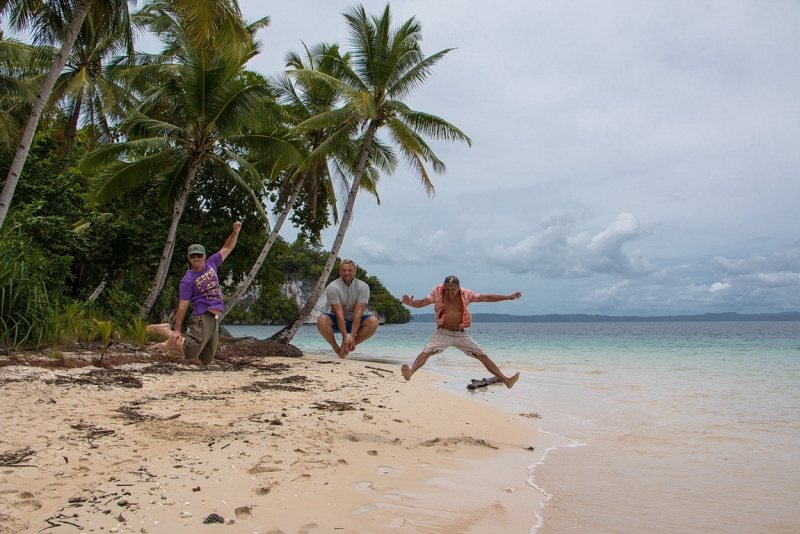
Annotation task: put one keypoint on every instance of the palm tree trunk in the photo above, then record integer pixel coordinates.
(245, 284)
(15, 170)
(69, 136)
(169, 245)
(286, 334)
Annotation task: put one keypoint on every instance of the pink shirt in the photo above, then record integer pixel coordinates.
(467, 297)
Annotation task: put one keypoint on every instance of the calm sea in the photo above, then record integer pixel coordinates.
(645, 427)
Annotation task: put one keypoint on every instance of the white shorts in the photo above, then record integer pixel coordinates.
(460, 340)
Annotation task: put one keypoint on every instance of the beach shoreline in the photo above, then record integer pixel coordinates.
(279, 445)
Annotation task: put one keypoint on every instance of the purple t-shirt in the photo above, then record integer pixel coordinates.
(202, 288)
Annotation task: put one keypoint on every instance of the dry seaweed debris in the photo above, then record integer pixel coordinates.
(98, 377)
(251, 347)
(16, 458)
(281, 384)
(333, 406)
(92, 432)
(133, 415)
(455, 441)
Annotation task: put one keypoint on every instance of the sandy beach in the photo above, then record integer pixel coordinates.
(252, 444)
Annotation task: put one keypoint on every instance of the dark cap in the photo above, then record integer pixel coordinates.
(452, 281)
(197, 249)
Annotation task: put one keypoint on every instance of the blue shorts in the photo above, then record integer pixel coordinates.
(347, 324)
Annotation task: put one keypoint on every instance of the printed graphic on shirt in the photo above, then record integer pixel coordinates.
(208, 285)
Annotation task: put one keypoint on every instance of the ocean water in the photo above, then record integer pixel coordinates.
(645, 427)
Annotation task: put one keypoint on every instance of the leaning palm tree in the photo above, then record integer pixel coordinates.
(86, 90)
(24, 14)
(314, 175)
(209, 18)
(386, 65)
(204, 111)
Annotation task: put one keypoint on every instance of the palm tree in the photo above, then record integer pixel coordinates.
(386, 65)
(16, 93)
(204, 110)
(301, 102)
(86, 88)
(27, 13)
(210, 19)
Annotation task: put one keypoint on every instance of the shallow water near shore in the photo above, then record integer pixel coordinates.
(646, 427)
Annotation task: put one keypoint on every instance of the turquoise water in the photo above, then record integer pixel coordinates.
(646, 427)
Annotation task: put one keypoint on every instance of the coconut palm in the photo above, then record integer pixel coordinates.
(209, 19)
(204, 111)
(86, 90)
(16, 93)
(314, 175)
(386, 65)
(24, 14)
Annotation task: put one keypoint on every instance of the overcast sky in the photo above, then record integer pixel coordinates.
(628, 158)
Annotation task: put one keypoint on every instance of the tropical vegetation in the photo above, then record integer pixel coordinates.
(112, 161)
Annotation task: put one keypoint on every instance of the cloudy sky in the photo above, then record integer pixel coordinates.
(628, 158)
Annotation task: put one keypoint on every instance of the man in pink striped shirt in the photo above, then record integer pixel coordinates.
(451, 306)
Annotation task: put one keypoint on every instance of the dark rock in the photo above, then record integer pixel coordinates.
(213, 518)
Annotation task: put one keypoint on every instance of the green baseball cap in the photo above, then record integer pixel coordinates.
(197, 249)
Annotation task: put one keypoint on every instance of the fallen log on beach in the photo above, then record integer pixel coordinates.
(483, 382)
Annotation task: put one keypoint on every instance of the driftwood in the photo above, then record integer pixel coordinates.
(483, 382)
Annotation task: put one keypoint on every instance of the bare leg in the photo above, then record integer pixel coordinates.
(162, 329)
(325, 327)
(492, 368)
(419, 362)
(366, 330)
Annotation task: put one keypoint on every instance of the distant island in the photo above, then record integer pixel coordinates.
(585, 318)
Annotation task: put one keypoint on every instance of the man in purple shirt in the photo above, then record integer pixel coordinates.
(200, 286)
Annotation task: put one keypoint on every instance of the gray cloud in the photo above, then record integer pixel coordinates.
(583, 114)
(555, 250)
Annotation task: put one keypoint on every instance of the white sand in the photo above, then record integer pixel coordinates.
(409, 456)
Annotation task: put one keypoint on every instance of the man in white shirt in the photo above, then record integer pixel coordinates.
(348, 297)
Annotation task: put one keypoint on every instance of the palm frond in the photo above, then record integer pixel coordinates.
(118, 179)
(122, 152)
(432, 126)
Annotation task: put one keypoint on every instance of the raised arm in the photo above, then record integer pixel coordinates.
(498, 298)
(419, 303)
(231, 241)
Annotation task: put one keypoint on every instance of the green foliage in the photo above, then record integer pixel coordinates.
(123, 305)
(70, 325)
(385, 303)
(137, 329)
(102, 330)
(272, 307)
(24, 305)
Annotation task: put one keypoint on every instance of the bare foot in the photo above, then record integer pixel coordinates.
(193, 361)
(512, 381)
(406, 370)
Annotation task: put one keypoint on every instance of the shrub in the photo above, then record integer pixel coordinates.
(24, 305)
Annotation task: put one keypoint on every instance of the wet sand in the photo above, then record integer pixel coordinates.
(282, 445)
